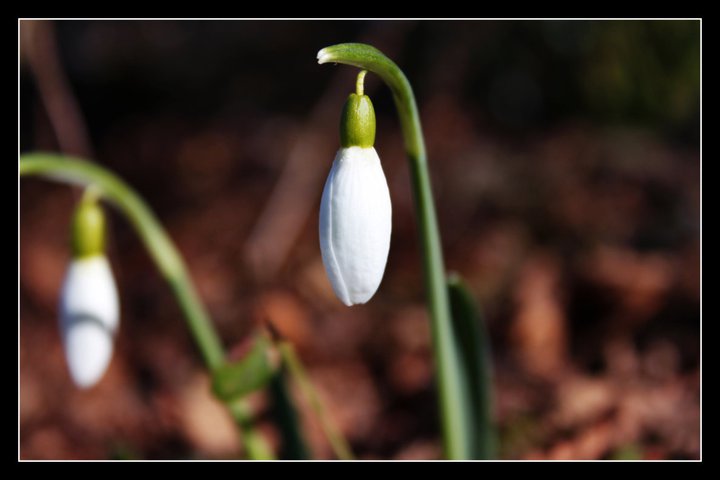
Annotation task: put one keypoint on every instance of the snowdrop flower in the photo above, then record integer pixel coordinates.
(89, 310)
(355, 211)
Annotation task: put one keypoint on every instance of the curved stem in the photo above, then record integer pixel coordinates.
(159, 245)
(456, 443)
(163, 252)
(360, 83)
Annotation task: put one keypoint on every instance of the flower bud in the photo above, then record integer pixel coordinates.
(355, 210)
(89, 307)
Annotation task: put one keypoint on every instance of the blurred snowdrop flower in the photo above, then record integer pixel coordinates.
(89, 307)
(355, 210)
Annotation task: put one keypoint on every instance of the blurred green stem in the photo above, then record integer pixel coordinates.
(163, 252)
(448, 363)
(256, 447)
(335, 437)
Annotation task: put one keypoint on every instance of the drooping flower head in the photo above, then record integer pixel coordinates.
(355, 210)
(89, 308)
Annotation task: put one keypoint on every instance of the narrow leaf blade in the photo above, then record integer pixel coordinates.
(473, 343)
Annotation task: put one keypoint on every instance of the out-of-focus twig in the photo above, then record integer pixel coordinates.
(39, 47)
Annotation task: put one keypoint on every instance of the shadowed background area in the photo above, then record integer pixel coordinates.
(565, 161)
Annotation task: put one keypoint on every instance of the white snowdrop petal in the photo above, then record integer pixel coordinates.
(355, 224)
(89, 315)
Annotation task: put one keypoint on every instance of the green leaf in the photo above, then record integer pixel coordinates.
(473, 345)
(286, 416)
(253, 372)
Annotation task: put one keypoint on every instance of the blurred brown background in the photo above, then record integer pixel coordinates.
(565, 162)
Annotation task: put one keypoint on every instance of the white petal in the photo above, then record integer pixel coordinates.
(355, 224)
(89, 315)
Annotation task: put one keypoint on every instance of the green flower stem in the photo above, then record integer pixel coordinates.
(456, 444)
(161, 249)
(360, 83)
(296, 369)
(255, 445)
(158, 243)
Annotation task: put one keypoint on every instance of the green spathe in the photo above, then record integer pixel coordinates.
(357, 123)
(88, 228)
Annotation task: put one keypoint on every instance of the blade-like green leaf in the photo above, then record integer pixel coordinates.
(286, 418)
(252, 372)
(471, 339)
